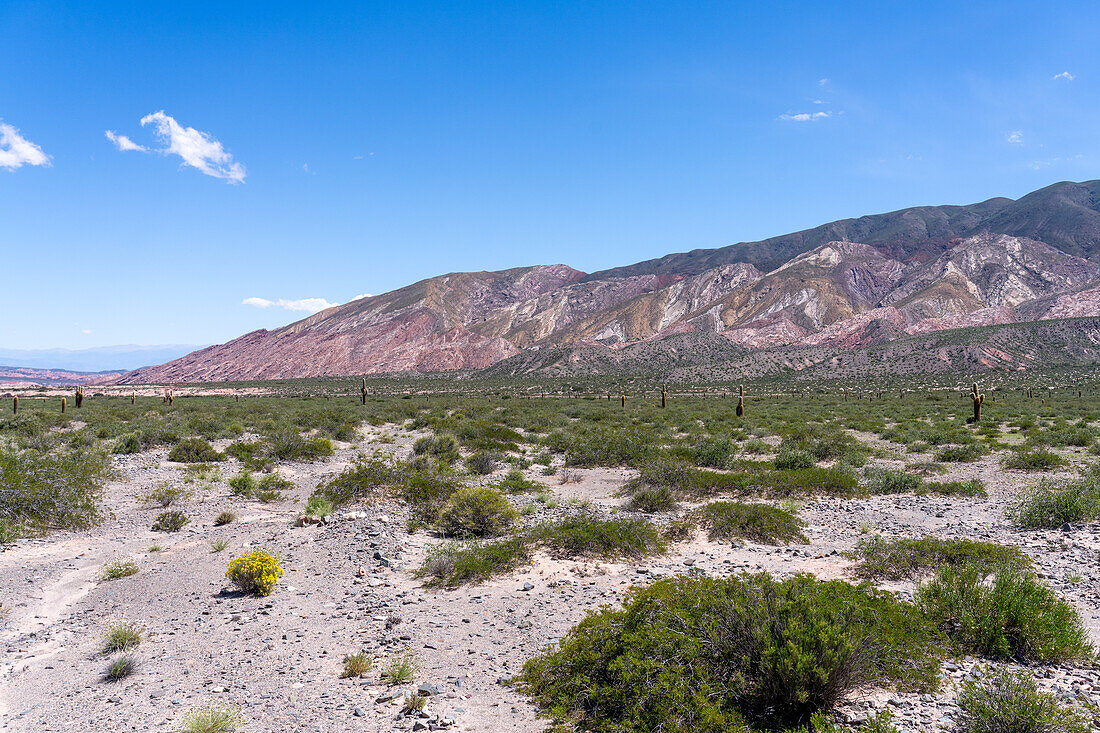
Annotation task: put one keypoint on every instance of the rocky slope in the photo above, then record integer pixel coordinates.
(848, 284)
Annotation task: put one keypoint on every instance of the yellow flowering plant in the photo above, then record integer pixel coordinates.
(255, 572)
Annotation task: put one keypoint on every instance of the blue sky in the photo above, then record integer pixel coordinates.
(326, 150)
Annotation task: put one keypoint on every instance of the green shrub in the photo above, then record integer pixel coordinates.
(476, 511)
(1033, 460)
(974, 488)
(788, 483)
(364, 479)
(170, 521)
(165, 495)
(967, 453)
(683, 480)
(1010, 702)
(291, 446)
(444, 448)
(514, 482)
(1049, 505)
(908, 558)
(243, 484)
(891, 481)
(271, 488)
(1003, 613)
(119, 567)
(481, 463)
(427, 492)
(194, 450)
(702, 654)
(121, 636)
(127, 444)
(224, 518)
(318, 506)
(650, 500)
(590, 537)
(252, 454)
(40, 492)
(792, 459)
(456, 563)
(762, 523)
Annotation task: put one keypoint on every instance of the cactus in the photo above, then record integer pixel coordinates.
(662, 398)
(62, 405)
(623, 397)
(133, 397)
(78, 397)
(740, 400)
(977, 399)
(363, 391)
(15, 405)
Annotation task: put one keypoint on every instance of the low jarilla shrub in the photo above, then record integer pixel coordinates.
(709, 654)
(476, 511)
(907, 558)
(1010, 701)
(1003, 613)
(194, 450)
(1050, 505)
(170, 521)
(256, 572)
(761, 523)
(1034, 460)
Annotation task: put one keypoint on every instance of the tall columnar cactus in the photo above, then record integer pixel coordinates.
(15, 405)
(78, 397)
(363, 391)
(133, 398)
(978, 400)
(740, 400)
(62, 405)
(662, 398)
(623, 397)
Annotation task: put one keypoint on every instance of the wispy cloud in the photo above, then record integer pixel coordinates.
(124, 143)
(1016, 137)
(196, 148)
(1065, 75)
(17, 151)
(806, 116)
(823, 82)
(361, 296)
(307, 305)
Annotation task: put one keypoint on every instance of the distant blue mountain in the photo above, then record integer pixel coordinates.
(104, 358)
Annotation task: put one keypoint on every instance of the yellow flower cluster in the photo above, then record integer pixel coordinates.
(255, 572)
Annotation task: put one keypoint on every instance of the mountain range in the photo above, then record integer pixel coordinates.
(848, 284)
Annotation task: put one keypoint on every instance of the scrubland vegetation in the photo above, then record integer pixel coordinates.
(484, 480)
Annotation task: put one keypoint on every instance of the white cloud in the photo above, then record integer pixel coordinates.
(17, 151)
(1064, 75)
(197, 149)
(822, 82)
(308, 305)
(1016, 137)
(806, 116)
(124, 143)
(86, 331)
(361, 296)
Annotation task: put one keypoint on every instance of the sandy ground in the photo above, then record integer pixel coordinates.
(349, 587)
